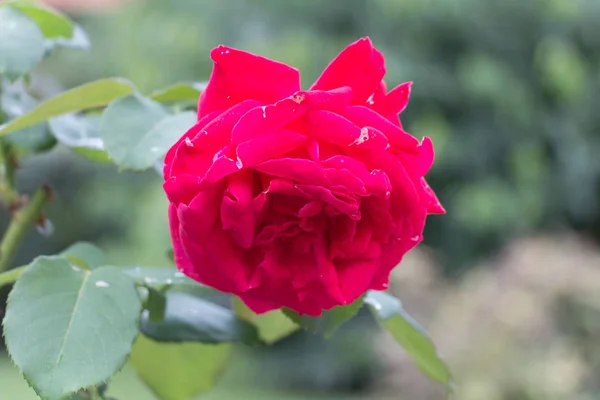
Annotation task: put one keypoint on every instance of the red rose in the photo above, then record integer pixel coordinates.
(298, 199)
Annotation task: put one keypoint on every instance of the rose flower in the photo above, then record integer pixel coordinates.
(297, 199)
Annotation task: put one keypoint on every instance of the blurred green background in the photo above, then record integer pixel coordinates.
(508, 282)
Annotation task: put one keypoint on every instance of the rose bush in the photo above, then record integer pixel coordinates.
(297, 199)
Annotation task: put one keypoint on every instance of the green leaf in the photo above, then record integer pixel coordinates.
(272, 326)
(158, 277)
(51, 23)
(192, 318)
(409, 334)
(67, 328)
(179, 92)
(138, 131)
(81, 133)
(91, 95)
(329, 321)
(21, 43)
(87, 252)
(16, 101)
(79, 40)
(179, 371)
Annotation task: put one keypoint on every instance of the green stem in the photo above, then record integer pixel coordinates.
(94, 394)
(21, 222)
(8, 189)
(8, 277)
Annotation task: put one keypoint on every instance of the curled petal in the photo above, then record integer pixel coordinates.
(267, 119)
(359, 66)
(363, 116)
(332, 100)
(418, 163)
(194, 155)
(182, 188)
(238, 75)
(193, 131)
(268, 147)
(394, 102)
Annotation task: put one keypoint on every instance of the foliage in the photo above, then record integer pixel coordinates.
(72, 320)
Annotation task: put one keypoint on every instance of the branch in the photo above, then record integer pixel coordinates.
(8, 189)
(8, 277)
(21, 222)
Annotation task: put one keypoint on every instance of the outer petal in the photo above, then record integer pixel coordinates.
(238, 75)
(193, 131)
(359, 66)
(394, 102)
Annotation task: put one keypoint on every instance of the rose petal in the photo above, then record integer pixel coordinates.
(267, 119)
(359, 66)
(326, 126)
(202, 269)
(395, 101)
(355, 276)
(195, 155)
(363, 116)
(182, 188)
(193, 131)
(199, 218)
(418, 164)
(331, 100)
(268, 147)
(295, 169)
(237, 210)
(238, 75)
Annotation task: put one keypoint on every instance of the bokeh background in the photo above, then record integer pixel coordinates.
(507, 283)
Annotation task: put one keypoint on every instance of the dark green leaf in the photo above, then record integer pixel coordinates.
(179, 92)
(138, 131)
(91, 95)
(67, 328)
(191, 318)
(21, 43)
(192, 367)
(87, 252)
(51, 23)
(272, 326)
(409, 334)
(329, 321)
(156, 304)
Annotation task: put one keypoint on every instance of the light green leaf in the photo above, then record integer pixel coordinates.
(82, 134)
(179, 92)
(67, 328)
(178, 371)
(79, 40)
(94, 94)
(410, 335)
(138, 131)
(196, 318)
(272, 326)
(16, 101)
(87, 252)
(52, 23)
(329, 321)
(21, 43)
